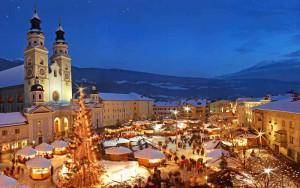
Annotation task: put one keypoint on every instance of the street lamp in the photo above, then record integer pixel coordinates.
(260, 135)
(175, 112)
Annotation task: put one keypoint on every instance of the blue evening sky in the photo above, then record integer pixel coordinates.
(199, 38)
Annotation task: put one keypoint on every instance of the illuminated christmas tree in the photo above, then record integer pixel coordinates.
(83, 169)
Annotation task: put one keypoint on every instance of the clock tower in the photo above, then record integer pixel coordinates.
(61, 63)
(35, 60)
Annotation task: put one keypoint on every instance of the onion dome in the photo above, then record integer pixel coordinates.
(37, 87)
(94, 90)
(35, 22)
(60, 38)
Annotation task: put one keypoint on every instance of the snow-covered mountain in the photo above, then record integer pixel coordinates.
(284, 70)
(163, 87)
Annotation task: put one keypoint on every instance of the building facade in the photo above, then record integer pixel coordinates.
(280, 122)
(244, 107)
(120, 108)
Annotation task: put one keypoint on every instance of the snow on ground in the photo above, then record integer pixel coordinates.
(118, 172)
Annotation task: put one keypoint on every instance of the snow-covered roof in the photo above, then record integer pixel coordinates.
(169, 103)
(115, 142)
(44, 147)
(211, 144)
(217, 153)
(12, 77)
(59, 144)
(38, 162)
(27, 152)
(7, 182)
(194, 102)
(12, 118)
(117, 150)
(123, 97)
(149, 154)
(285, 105)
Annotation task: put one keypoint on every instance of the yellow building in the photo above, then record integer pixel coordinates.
(244, 109)
(280, 120)
(120, 108)
(13, 131)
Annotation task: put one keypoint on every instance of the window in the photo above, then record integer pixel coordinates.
(40, 96)
(291, 125)
(283, 123)
(55, 73)
(4, 132)
(33, 97)
(42, 62)
(17, 131)
(291, 140)
(41, 43)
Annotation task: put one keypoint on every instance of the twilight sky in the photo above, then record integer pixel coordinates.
(199, 38)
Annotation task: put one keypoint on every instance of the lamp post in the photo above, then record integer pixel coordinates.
(175, 112)
(260, 135)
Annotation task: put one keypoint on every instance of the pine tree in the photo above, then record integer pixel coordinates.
(84, 169)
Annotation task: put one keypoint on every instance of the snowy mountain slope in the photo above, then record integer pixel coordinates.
(284, 70)
(162, 87)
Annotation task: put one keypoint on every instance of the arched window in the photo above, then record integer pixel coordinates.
(40, 96)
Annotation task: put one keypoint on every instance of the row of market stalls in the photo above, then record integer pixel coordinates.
(122, 149)
(37, 160)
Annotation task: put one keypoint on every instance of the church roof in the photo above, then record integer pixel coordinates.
(12, 118)
(12, 77)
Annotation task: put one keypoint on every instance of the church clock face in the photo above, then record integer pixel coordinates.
(42, 72)
(29, 72)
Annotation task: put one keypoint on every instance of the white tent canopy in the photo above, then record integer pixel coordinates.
(217, 153)
(137, 138)
(44, 147)
(38, 162)
(59, 144)
(115, 142)
(27, 152)
(7, 182)
(117, 150)
(149, 154)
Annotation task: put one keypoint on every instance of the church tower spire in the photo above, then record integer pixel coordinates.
(35, 60)
(61, 67)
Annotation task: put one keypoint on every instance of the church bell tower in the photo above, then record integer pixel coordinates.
(62, 59)
(35, 60)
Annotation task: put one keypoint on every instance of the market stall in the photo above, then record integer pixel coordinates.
(60, 147)
(149, 157)
(39, 168)
(25, 154)
(116, 142)
(7, 182)
(118, 153)
(45, 150)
